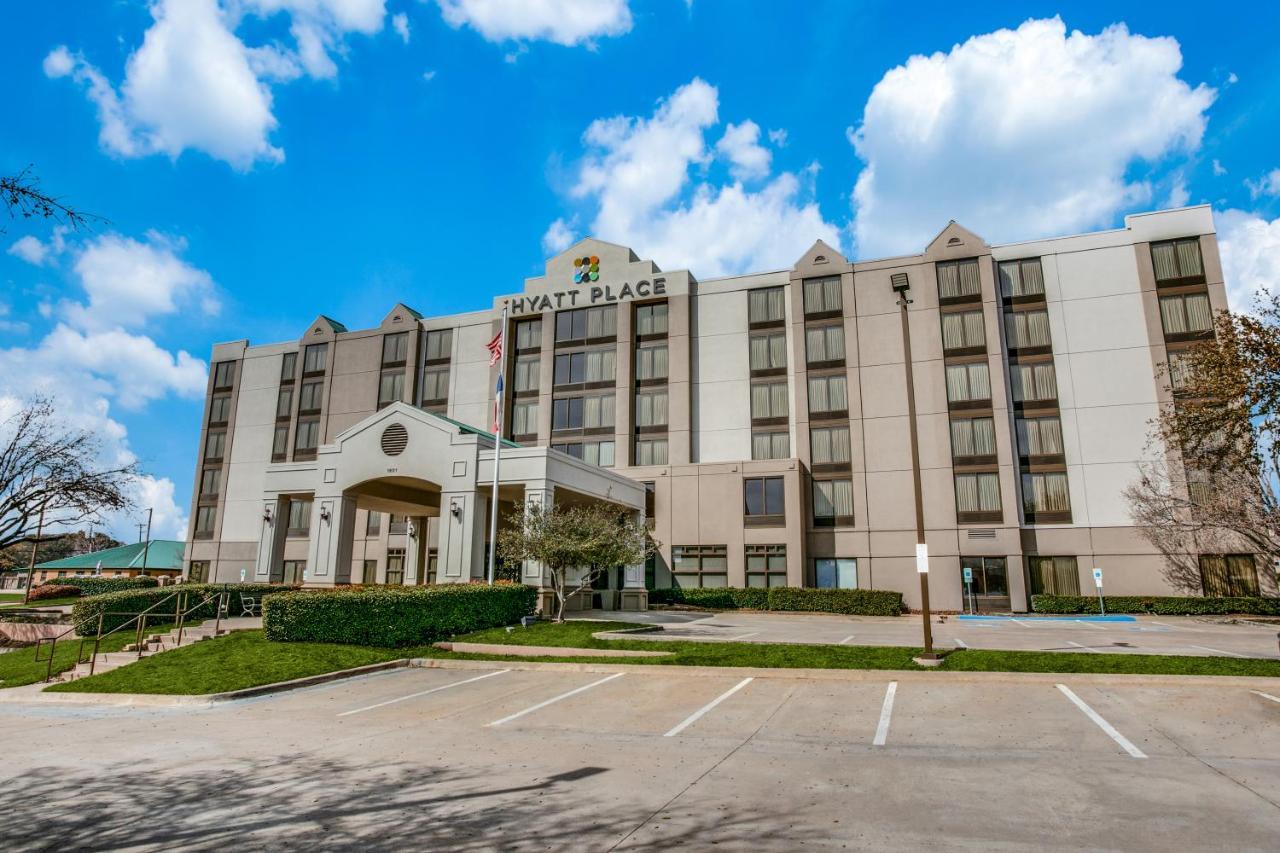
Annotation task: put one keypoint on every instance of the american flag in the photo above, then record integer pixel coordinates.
(495, 349)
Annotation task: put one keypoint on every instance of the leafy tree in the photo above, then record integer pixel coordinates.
(1211, 486)
(575, 544)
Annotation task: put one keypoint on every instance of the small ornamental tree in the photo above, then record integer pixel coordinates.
(583, 541)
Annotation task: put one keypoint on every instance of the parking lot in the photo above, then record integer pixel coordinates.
(1159, 635)
(481, 756)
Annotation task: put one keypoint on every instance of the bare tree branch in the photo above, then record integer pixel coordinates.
(23, 199)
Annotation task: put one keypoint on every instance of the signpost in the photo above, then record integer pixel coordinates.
(1097, 581)
(968, 585)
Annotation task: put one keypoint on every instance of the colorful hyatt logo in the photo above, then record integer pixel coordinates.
(586, 269)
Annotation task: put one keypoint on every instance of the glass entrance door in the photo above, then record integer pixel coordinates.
(990, 585)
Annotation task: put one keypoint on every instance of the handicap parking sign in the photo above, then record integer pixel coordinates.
(968, 574)
(1097, 577)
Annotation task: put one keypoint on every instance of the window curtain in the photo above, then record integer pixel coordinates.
(813, 296)
(970, 283)
(1046, 492)
(825, 343)
(832, 498)
(1199, 315)
(1164, 257)
(766, 304)
(948, 280)
(601, 365)
(1189, 258)
(953, 331)
(1028, 328)
(989, 492)
(829, 445)
(962, 438)
(1032, 278)
(966, 493)
(527, 374)
(828, 394)
(778, 350)
(759, 352)
(957, 383)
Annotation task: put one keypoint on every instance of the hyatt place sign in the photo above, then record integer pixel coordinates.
(594, 295)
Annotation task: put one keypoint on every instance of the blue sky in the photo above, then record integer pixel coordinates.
(262, 161)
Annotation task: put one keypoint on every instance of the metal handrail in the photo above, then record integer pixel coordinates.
(224, 603)
(139, 618)
(53, 648)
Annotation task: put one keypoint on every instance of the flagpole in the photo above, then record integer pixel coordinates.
(499, 394)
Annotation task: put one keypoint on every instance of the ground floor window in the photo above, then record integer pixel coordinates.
(1054, 575)
(766, 565)
(395, 566)
(835, 573)
(370, 575)
(990, 575)
(700, 565)
(1228, 575)
(295, 571)
(198, 573)
(433, 562)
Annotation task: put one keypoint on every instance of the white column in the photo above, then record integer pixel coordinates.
(415, 547)
(634, 595)
(457, 536)
(332, 533)
(271, 541)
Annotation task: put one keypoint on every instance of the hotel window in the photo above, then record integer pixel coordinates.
(973, 438)
(373, 523)
(593, 412)
(1021, 278)
(1228, 575)
(395, 566)
(598, 453)
(288, 366)
(528, 335)
(284, 403)
(968, 383)
(770, 445)
(650, 500)
(435, 385)
(828, 395)
(651, 319)
(1054, 575)
(311, 397)
(586, 367)
(651, 451)
(210, 481)
(197, 573)
(835, 573)
(280, 444)
(1027, 329)
(206, 518)
(299, 517)
(224, 375)
(1179, 368)
(215, 445)
(1199, 486)
(528, 373)
(398, 524)
(959, 279)
(1045, 494)
(314, 358)
(1034, 383)
(832, 503)
(1039, 437)
(822, 296)
(390, 388)
(651, 408)
(395, 349)
(767, 305)
(308, 436)
(769, 401)
(704, 566)
(439, 345)
(829, 445)
(370, 573)
(1178, 261)
(766, 565)
(524, 419)
(220, 409)
(964, 330)
(764, 501)
(651, 362)
(1186, 315)
(824, 344)
(768, 352)
(978, 494)
(582, 324)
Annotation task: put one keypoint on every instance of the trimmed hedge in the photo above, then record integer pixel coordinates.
(53, 590)
(394, 616)
(84, 613)
(101, 586)
(859, 602)
(1160, 605)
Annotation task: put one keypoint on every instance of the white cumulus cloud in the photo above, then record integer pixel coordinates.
(558, 237)
(1250, 249)
(400, 23)
(30, 249)
(636, 180)
(564, 22)
(1267, 185)
(127, 282)
(1020, 133)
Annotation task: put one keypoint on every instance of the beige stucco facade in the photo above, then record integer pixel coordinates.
(648, 377)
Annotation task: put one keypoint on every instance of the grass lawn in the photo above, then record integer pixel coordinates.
(19, 666)
(48, 602)
(10, 597)
(240, 659)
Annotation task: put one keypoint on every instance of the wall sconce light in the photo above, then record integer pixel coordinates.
(413, 530)
(266, 514)
(455, 510)
(324, 513)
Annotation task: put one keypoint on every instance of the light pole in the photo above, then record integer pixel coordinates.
(901, 285)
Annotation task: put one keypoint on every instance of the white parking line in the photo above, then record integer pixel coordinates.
(518, 714)
(846, 640)
(1220, 652)
(1090, 625)
(1019, 622)
(1083, 646)
(424, 692)
(744, 636)
(961, 643)
(1266, 695)
(697, 715)
(886, 713)
(1176, 627)
(1101, 723)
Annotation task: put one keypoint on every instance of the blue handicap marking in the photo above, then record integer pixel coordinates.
(997, 619)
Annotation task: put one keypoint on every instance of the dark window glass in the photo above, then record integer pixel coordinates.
(224, 374)
(373, 524)
(764, 496)
(308, 436)
(284, 403)
(280, 443)
(311, 396)
(206, 517)
(395, 348)
(314, 358)
(439, 344)
(288, 366)
(220, 409)
(210, 480)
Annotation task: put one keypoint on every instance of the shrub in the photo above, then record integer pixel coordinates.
(1159, 605)
(394, 616)
(864, 602)
(53, 590)
(123, 605)
(100, 585)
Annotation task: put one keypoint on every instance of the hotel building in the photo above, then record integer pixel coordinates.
(808, 426)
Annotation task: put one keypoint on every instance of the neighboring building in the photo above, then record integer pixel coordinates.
(160, 558)
(765, 416)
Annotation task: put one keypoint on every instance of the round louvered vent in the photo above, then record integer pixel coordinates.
(394, 439)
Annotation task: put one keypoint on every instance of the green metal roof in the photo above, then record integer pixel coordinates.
(333, 324)
(470, 430)
(163, 554)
